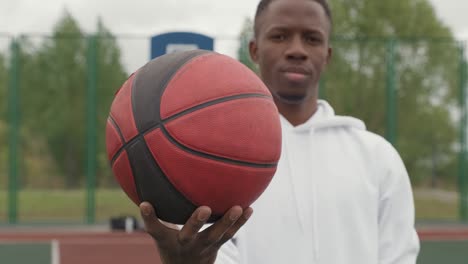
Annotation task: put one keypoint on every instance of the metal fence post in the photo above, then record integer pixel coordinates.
(391, 91)
(13, 113)
(91, 130)
(462, 170)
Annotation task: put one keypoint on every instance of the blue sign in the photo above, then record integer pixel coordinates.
(179, 41)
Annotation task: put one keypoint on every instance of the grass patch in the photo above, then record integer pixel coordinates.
(436, 204)
(55, 206)
(67, 205)
(434, 209)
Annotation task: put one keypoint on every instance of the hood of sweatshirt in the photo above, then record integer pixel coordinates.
(324, 118)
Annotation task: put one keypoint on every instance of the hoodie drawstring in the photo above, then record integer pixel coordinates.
(314, 199)
(290, 178)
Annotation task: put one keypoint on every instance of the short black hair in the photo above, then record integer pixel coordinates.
(263, 4)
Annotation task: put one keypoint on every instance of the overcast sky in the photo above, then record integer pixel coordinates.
(221, 19)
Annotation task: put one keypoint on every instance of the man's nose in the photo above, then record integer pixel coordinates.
(296, 49)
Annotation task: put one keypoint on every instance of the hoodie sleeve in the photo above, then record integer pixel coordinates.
(398, 240)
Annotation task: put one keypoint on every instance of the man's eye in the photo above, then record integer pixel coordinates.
(278, 37)
(313, 39)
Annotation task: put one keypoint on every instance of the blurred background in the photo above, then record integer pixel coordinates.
(400, 65)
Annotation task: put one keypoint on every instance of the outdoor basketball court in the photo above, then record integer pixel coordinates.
(438, 246)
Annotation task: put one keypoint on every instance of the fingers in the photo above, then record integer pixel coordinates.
(152, 224)
(235, 227)
(194, 224)
(215, 233)
(212, 237)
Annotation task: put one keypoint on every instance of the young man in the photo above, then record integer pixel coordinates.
(341, 194)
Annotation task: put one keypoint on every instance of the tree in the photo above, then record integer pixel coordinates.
(61, 97)
(3, 88)
(3, 117)
(111, 75)
(245, 36)
(54, 81)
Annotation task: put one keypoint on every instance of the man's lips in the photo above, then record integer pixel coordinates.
(296, 69)
(295, 73)
(295, 77)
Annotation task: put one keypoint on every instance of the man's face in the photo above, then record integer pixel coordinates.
(292, 49)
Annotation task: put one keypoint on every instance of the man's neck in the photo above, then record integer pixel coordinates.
(297, 114)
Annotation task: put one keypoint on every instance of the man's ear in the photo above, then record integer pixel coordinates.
(329, 55)
(253, 50)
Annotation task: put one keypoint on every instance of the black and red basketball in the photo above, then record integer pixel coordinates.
(193, 128)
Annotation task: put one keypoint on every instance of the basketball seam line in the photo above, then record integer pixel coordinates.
(114, 124)
(171, 185)
(212, 157)
(210, 103)
(213, 102)
(165, 80)
(132, 168)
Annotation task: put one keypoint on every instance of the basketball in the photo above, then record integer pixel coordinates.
(193, 128)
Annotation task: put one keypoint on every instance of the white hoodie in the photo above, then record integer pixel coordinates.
(341, 195)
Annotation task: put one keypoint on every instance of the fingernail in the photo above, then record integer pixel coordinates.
(145, 210)
(203, 216)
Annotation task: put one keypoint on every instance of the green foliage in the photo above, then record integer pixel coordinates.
(53, 100)
(426, 75)
(3, 88)
(111, 75)
(3, 121)
(53, 90)
(3, 155)
(245, 37)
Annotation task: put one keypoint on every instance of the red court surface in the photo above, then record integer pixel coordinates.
(89, 247)
(441, 233)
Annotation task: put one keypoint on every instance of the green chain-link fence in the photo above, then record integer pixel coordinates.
(55, 93)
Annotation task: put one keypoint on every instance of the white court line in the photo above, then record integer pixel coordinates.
(55, 252)
(110, 242)
(24, 241)
(81, 241)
